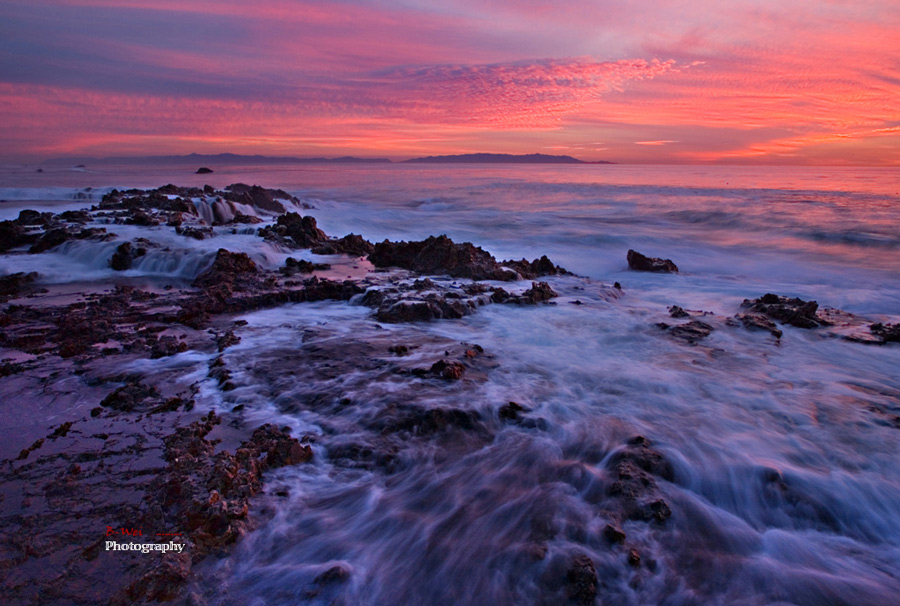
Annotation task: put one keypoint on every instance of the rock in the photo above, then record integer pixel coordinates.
(124, 256)
(634, 558)
(255, 195)
(225, 269)
(129, 397)
(203, 171)
(30, 218)
(351, 244)
(691, 332)
(888, 332)
(635, 469)
(510, 411)
(55, 237)
(292, 265)
(167, 346)
(540, 292)
(139, 217)
(535, 269)
(450, 371)
(241, 218)
(302, 230)
(422, 421)
(753, 320)
(639, 262)
(677, 312)
(613, 534)
(438, 256)
(197, 233)
(12, 284)
(793, 311)
(581, 581)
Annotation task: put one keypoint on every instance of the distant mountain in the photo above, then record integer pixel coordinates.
(503, 159)
(200, 159)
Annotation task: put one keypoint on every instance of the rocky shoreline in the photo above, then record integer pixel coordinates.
(133, 450)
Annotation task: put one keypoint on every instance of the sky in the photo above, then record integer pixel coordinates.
(654, 81)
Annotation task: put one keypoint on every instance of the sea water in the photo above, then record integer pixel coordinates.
(786, 486)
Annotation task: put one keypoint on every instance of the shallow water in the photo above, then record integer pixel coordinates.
(785, 487)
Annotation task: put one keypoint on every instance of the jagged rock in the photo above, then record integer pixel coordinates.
(423, 421)
(12, 284)
(302, 230)
(888, 332)
(690, 332)
(639, 262)
(440, 255)
(241, 218)
(581, 580)
(125, 255)
(292, 265)
(129, 397)
(540, 292)
(351, 244)
(167, 346)
(76, 216)
(635, 469)
(677, 312)
(530, 270)
(55, 237)
(510, 411)
(30, 218)
(255, 195)
(197, 233)
(755, 320)
(613, 534)
(139, 217)
(795, 312)
(225, 269)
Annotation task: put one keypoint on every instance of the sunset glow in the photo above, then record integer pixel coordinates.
(672, 82)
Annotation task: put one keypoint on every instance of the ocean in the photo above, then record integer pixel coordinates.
(783, 486)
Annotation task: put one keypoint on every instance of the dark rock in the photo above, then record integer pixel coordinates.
(292, 265)
(302, 230)
(12, 284)
(540, 292)
(240, 218)
(76, 216)
(450, 371)
(129, 397)
(510, 411)
(677, 312)
(793, 311)
(887, 332)
(203, 171)
(351, 244)
(167, 346)
(581, 581)
(139, 217)
(55, 237)
(421, 421)
(440, 255)
(122, 258)
(197, 233)
(634, 558)
(30, 218)
(225, 269)
(613, 534)
(639, 262)
(755, 320)
(535, 269)
(691, 332)
(255, 195)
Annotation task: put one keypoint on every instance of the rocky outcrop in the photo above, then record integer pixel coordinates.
(440, 256)
(125, 255)
(635, 469)
(793, 311)
(13, 284)
(254, 195)
(55, 237)
(690, 332)
(889, 333)
(226, 268)
(529, 270)
(757, 321)
(639, 262)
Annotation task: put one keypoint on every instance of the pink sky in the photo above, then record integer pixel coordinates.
(766, 81)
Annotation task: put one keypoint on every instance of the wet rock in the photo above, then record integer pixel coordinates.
(540, 292)
(757, 321)
(55, 237)
(301, 229)
(226, 268)
(260, 197)
(634, 558)
(635, 469)
(529, 270)
(450, 371)
(793, 311)
(510, 411)
(691, 332)
(197, 233)
(242, 219)
(125, 255)
(421, 421)
(292, 265)
(12, 284)
(167, 346)
(139, 217)
(129, 397)
(351, 244)
(227, 340)
(581, 581)
(422, 310)
(677, 312)
(440, 255)
(889, 333)
(639, 262)
(76, 216)
(31, 218)
(613, 534)
(203, 171)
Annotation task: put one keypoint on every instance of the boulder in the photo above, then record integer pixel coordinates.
(440, 255)
(639, 262)
(793, 311)
(225, 269)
